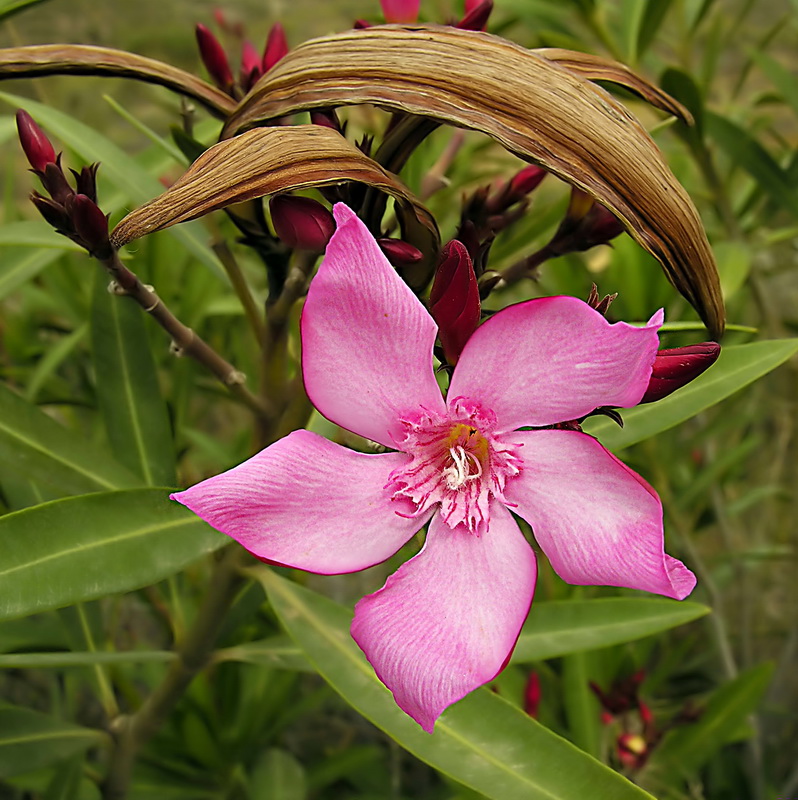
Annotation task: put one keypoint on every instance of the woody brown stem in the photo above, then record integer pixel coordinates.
(185, 340)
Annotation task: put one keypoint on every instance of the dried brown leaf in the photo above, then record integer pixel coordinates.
(267, 161)
(535, 108)
(76, 59)
(596, 68)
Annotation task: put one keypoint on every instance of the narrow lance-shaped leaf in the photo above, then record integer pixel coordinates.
(134, 411)
(558, 628)
(483, 741)
(77, 59)
(541, 111)
(30, 740)
(81, 548)
(271, 160)
(35, 446)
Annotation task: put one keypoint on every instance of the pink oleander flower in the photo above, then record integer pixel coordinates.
(447, 621)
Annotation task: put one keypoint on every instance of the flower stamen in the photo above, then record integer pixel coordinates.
(459, 471)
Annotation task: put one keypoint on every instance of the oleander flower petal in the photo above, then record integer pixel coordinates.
(447, 621)
(597, 521)
(308, 503)
(366, 338)
(554, 359)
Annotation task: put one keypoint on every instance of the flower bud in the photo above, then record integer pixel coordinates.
(526, 181)
(214, 58)
(532, 695)
(400, 253)
(250, 65)
(454, 299)
(54, 213)
(38, 149)
(301, 222)
(400, 10)
(476, 16)
(676, 367)
(362, 24)
(86, 181)
(276, 47)
(91, 225)
(599, 226)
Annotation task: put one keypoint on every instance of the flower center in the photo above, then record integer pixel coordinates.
(457, 463)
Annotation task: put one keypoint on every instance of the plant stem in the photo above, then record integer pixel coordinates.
(193, 654)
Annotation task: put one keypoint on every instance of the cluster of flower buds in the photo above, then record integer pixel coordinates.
(454, 300)
(638, 734)
(475, 16)
(490, 210)
(585, 225)
(253, 64)
(72, 212)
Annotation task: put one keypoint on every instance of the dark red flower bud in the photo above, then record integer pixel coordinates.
(301, 222)
(476, 17)
(55, 182)
(400, 10)
(36, 145)
(677, 366)
(532, 695)
(454, 299)
(276, 47)
(86, 181)
(400, 253)
(250, 65)
(362, 24)
(91, 225)
(214, 58)
(527, 180)
(53, 213)
(599, 226)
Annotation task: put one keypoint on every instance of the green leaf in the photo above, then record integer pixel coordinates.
(735, 260)
(650, 22)
(81, 548)
(117, 166)
(686, 749)
(29, 740)
(277, 652)
(560, 627)
(84, 658)
(682, 86)
(52, 359)
(10, 7)
(135, 414)
(35, 233)
(483, 741)
(19, 265)
(278, 776)
(744, 150)
(737, 366)
(34, 445)
(782, 78)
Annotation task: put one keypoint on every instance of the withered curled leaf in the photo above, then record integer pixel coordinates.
(596, 68)
(267, 161)
(543, 112)
(76, 59)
